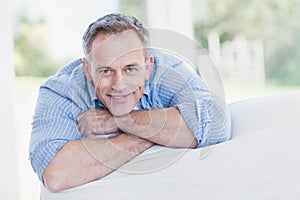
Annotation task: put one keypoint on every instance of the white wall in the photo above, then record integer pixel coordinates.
(8, 166)
(175, 15)
(67, 24)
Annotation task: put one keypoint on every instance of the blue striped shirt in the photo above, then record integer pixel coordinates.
(67, 94)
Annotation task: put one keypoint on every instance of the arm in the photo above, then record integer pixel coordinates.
(82, 161)
(163, 126)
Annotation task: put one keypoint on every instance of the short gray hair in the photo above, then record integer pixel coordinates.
(113, 24)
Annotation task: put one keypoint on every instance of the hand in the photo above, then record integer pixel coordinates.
(96, 121)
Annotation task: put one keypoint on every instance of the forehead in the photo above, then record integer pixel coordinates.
(109, 48)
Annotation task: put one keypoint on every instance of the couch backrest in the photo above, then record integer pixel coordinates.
(266, 114)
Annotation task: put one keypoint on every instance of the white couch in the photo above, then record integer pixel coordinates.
(261, 161)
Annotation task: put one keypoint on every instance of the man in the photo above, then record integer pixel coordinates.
(101, 111)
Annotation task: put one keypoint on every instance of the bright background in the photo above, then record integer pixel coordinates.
(254, 45)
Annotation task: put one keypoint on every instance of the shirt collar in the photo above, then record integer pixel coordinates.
(146, 88)
(91, 91)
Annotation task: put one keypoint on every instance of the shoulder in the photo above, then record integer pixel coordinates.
(67, 88)
(164, 58)
(66, 77)
(69, 68)
(171, 75)
(172, 69)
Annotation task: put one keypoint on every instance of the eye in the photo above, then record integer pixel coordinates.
(131, 69)
(105, 71)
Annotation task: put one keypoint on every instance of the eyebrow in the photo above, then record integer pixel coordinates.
(129, 64)
(99, 68)
(102, 67)
(133, 64)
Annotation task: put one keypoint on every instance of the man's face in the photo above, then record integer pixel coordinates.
(118, 68)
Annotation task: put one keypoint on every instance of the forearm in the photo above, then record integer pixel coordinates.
(82, 161)
(164, 126)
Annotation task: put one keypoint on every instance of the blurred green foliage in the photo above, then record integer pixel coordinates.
(275, 22)
(136, 8)
(31, 56)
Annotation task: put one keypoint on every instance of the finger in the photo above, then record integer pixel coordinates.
(80, 117)
(88, 135)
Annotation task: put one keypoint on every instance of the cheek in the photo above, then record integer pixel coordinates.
(138, 80)
(101, 85)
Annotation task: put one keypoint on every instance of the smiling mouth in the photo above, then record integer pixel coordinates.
(121, 98)
(118, 97)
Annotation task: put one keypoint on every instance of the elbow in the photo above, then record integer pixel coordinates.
(194, 144)
(191, 143)
(54, 181)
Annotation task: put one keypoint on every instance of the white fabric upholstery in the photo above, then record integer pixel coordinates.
(261, 161)
(266, 114)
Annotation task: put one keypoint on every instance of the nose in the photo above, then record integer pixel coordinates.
(118, 82)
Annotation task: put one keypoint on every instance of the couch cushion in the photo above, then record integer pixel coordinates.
(266, 114)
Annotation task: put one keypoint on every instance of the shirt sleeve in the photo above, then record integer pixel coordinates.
(205, 113)
(52, 127)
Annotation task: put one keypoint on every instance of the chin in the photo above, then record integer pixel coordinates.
(120, 112)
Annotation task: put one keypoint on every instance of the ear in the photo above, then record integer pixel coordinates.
(149, 65)
(87, 69)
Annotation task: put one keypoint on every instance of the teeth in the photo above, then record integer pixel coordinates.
(119, 97)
